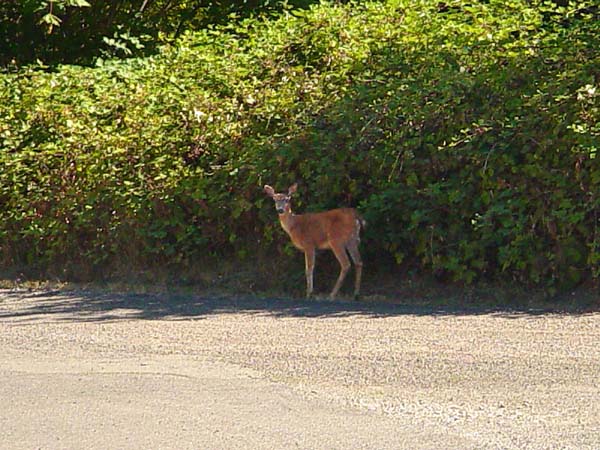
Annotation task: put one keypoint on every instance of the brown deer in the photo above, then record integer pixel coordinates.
(336, 229)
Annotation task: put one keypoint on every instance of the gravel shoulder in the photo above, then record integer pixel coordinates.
(82, 369)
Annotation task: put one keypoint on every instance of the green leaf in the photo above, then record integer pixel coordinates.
(78, 3)
(50, 19)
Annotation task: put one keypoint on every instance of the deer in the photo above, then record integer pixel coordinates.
(337, 230)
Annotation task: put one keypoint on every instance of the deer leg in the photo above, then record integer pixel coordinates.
(342, 257)
(309, 258)
(358, 265)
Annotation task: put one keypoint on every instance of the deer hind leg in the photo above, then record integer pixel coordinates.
(340, 253)
(309, 258)
(358, 265)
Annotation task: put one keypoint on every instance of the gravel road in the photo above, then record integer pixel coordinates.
(86, 370)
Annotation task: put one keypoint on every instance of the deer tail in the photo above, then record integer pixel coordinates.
(361, 221)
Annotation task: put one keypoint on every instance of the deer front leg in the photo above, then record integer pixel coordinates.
(309, 258)
(342, 257)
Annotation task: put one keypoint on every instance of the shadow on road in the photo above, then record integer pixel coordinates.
(91, 306)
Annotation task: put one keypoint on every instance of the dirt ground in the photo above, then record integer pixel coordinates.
(87, 370)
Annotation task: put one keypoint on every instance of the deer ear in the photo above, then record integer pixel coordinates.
(292, 189)
(269, 190)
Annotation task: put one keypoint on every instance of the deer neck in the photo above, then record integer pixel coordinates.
(287, 220)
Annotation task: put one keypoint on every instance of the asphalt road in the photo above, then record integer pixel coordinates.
(87, 370)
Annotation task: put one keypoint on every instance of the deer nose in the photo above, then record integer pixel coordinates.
(280, 210)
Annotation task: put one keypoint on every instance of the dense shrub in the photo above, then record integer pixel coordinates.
(81, 31)
(465, 132)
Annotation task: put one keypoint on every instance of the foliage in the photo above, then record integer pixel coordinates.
(81, 31)
(466, 132)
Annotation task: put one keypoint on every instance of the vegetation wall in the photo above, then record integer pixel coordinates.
(465, 132)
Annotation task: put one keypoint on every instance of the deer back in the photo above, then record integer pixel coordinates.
(324, 229)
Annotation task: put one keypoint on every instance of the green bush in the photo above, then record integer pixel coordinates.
(465, 132)
(81, 31)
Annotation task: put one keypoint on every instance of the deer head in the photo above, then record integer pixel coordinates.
(282, 201)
